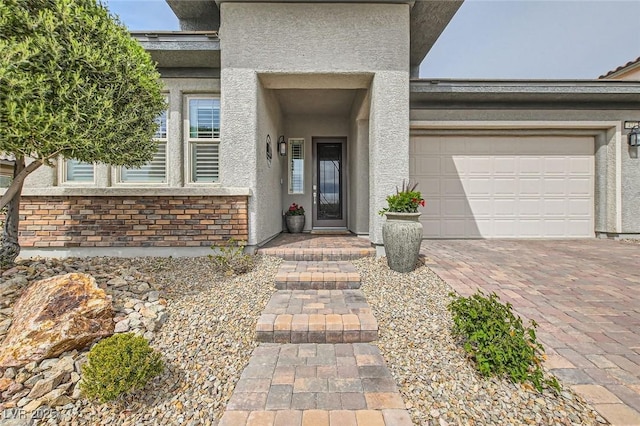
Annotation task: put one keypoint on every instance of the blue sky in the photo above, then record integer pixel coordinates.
(488, 39)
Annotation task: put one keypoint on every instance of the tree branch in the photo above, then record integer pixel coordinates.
(16, 185)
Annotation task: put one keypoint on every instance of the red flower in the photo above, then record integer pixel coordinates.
(422, 203)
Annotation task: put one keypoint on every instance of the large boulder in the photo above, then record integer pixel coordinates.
(56, 315)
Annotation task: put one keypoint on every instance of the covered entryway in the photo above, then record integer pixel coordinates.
(505, 185)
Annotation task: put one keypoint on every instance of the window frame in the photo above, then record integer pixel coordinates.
(290, 159)
(190, 142)
(119, 181)
(62, 174)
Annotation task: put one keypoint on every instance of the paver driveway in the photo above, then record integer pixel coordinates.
(585, 296)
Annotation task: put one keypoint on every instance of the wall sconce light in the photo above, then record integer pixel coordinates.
(282, 146)
(634, 136)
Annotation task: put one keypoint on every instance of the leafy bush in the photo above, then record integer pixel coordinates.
(405, 200)
(497, 341)
(117, 365)
(232, 259)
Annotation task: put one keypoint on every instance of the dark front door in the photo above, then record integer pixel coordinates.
(329, 183)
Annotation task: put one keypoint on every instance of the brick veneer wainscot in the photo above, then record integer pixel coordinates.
(125, 221)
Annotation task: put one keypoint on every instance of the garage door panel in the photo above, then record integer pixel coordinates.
(430, 188)
(480, 207)
(504, 228)
(554, 207)
(507, 207)
(452, 187)
(530, 186)
(478, 187)
(452, 166)
(530, 166)
(505, 165)
(581, 166)
(579, 208)
(530, 228)
(554, 186)
(454, 228)
(505, 186)
(452, 146)
(555, 166)
(426, 166)
(578, 228)
(454, 207)
(530, 207)
(580, 186)
(480, 166)
(554, 228)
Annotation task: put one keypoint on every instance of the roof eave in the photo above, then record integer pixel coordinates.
(555, 94)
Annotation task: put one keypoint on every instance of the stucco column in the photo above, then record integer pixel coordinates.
(388, 142)
(238, 130)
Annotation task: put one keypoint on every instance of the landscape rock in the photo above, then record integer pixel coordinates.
(13, 284)
(5, 383)
(46, 385)
(55, 315)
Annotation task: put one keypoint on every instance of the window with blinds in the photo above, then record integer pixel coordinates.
(156, 170)
(204, 139)
(152, 172)
(296, 166)
(79, 172)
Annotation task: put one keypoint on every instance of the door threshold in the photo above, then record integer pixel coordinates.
(330, 231)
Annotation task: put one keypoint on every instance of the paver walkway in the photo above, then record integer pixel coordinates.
(585, 296)
(315, 368)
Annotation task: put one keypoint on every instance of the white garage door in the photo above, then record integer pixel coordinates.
(505, 186)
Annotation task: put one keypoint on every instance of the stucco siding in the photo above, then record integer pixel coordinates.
(388, 143)
(266, 203)
(315, 37)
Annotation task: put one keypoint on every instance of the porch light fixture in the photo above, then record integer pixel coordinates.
(634, 136)
(282, 146)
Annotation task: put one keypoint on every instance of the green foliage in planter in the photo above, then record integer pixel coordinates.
(117, 365)
(232, 260)
(495, 338)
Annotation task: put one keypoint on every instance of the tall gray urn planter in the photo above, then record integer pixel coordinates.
(295, 224)
(402, 235)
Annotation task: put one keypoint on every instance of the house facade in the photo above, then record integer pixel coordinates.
(318, 103)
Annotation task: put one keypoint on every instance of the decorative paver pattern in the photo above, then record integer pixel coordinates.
(585, 296)
(317, 316)
(317, 275)
(319, 384)
(306, 247)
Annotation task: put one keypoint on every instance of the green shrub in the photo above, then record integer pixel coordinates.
(232, 260)
(117, 365)
(497, 341)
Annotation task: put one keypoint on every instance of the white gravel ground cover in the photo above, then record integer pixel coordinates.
(439, 385)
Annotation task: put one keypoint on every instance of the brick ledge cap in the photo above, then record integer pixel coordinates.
(136, 192)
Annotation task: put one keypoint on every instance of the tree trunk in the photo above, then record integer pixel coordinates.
(10, 248)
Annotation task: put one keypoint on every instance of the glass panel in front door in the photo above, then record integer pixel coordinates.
(329, 181)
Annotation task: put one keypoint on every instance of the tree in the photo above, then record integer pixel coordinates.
(73, 84)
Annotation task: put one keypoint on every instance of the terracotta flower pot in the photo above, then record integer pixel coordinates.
(402, 235)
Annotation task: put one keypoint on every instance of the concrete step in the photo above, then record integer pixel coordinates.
(317, 316)
(323, 384)
(317, 275)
